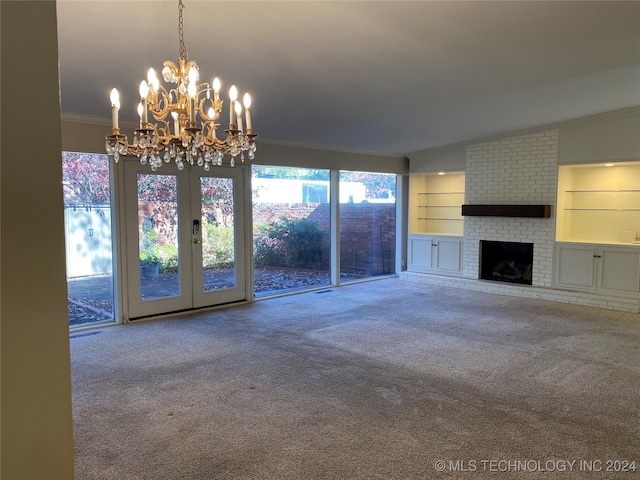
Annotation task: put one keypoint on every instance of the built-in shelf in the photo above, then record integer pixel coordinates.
(634, 190)
(435, 201)
(441, 193)
(529, 211)
(598, 204)
(603, 209)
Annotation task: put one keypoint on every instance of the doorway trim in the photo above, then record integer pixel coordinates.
(121, 207)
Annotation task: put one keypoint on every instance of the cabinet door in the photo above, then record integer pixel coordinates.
(448, 255)
(420, 253)
(619, 269)
(575, 266)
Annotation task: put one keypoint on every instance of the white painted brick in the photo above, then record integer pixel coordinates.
(516, 170)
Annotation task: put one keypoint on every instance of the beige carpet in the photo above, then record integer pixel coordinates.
(380, 380)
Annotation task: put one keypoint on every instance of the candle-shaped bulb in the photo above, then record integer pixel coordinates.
(115, 106)
(233, 96)
(144, 89)
(140, 113)
(247, 110)
(238, 109)
(193, 75)
(211, 113)
(176, 124)
(115, 99)
(153, 79)
(191, 91)
(216, 88)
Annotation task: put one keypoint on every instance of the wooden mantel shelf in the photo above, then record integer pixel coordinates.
(530, 211)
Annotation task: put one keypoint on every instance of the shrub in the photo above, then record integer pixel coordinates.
(149, 256)
(168, 254)
(294, 243)
(217, 245)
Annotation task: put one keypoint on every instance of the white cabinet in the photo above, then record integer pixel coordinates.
(575, 266)
(606, 268)
(437, 254)
(619, 269)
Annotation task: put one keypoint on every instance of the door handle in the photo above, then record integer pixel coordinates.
(196, 227)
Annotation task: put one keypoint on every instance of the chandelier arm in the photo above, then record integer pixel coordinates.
(210, 135)
(155, 130)
(163, 91)
(161, 115)
(216, 143)
(164, 142)
(217, 108)
(203, 87)
(163, 132)
(134, 150)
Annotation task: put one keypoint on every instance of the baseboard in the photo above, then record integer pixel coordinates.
(608, 302)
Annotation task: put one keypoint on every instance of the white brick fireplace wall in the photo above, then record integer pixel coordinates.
(519, 171)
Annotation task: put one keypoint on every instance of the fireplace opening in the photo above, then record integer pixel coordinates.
(506, 261)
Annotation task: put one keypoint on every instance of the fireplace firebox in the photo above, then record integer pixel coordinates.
(506, 261)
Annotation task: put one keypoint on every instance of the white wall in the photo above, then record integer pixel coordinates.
(36, 431)
(610, 137)
(450, 158)
(606, 137)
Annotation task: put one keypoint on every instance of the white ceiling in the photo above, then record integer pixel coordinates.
(388, 77)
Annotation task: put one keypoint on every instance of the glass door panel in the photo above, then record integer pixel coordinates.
(158, 236)
(218, 258)
(158, 264)
(218, 234)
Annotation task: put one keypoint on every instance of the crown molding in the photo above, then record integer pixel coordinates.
(310, 146)
(93, 120)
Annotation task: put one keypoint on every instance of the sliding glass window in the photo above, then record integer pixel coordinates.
(367, 225)
(87, 221)
(291, 229)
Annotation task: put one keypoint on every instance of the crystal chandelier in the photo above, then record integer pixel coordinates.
(185, 115)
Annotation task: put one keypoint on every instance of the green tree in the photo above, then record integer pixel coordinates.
(378, 185)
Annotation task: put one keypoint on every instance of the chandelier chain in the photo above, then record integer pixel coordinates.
(183, 49)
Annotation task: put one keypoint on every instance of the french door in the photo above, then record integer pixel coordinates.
(184, 238)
